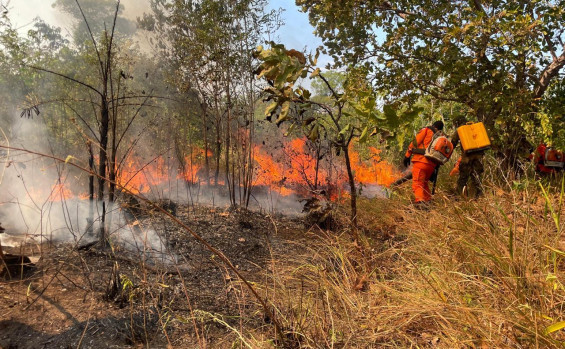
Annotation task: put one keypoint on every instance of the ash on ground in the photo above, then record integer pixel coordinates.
(104, 298)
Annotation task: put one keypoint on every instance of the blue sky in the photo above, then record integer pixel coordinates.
(297, 32)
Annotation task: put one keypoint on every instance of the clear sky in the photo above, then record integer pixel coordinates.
(297, 32)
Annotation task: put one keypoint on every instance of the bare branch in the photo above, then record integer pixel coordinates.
(131, 121)
(83, 121)
(339, 104)
(109, 53)
(548, 74)
(63, 76)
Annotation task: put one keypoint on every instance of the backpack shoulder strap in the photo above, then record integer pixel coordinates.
(420, 148)
(431, 128)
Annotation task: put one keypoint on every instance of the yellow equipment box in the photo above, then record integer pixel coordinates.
(473, 137)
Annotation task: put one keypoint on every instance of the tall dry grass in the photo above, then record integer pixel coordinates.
(465, 274)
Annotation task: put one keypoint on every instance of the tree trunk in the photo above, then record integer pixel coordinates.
(102, 161)
(352, 191)
(90, 219)
(229, 181)
(548, 74)
(218, 152)
(218, 139)
(317, 168)
(248, 154)
(205, 138)
(113, 170)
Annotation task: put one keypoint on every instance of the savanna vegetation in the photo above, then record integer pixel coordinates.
(181, 179)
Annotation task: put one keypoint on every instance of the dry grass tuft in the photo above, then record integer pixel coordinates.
(479, 274)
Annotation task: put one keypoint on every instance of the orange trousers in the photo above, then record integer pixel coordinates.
(421, 173)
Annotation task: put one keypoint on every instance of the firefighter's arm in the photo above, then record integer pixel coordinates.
(455, 170)
(409, 151)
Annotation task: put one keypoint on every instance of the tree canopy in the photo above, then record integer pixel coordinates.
(496, 58)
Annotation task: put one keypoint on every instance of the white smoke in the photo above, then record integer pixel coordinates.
(39, 202)
(261, 199)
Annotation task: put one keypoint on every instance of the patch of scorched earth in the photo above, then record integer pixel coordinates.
(118, 297)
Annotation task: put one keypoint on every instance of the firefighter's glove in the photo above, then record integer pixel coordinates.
(406, 161)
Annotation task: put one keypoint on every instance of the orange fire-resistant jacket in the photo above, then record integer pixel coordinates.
(423, 139)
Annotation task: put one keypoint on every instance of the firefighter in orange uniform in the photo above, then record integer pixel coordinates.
(548, 160)
(423, 168)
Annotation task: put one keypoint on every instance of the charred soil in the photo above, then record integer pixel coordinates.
(122, 297)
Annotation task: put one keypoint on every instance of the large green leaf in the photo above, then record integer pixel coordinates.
(364, 135)
(314, 133)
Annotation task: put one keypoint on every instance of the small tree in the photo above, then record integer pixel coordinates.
(208, 46)
(104, 93)
(348, 114)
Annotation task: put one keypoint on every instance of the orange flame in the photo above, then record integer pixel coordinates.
(139, 177)
(297, 171)
(294, 169)
(58, 192)
(374, 171)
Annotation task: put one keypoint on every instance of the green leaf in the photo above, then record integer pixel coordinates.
(364, 135)
(284, 72)
(555, 327)
(376, 117)
(361, 109)
(345, 131)
(269, 72)
(314, 133)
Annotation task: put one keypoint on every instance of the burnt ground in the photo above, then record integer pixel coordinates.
(115, 298)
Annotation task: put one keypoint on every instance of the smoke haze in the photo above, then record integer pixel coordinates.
(39, 202)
